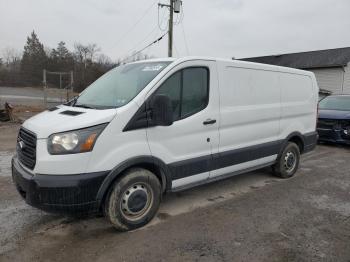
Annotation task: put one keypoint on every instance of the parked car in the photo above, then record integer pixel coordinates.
(163, 125)
(334, 119)
(323, 93)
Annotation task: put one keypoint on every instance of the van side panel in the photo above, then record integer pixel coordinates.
(249, 109)
(299, 96)
(249, 106)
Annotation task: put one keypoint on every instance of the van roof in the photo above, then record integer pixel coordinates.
(236, 62)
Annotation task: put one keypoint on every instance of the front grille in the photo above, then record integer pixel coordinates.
(341, 126)
(26, 148)
(326, 123)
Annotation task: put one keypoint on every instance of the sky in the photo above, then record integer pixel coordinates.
(216, 28)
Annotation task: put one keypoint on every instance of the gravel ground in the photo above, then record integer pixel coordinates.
(251, 217)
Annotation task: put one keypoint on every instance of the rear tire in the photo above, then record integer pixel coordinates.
(288, 162)
(133, 200)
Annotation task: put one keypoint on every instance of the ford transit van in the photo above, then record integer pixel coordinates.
(155, 126)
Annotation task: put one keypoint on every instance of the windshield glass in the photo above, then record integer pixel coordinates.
(120, 85)
(335, 103)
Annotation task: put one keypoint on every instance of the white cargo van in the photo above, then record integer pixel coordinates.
(162, 125)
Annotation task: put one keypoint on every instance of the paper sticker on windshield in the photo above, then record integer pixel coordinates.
(152, 68)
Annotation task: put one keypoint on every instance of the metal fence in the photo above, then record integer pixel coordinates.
(58, 87)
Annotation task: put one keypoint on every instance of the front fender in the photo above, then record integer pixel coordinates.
(140, 161)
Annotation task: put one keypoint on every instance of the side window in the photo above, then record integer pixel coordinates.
(195, 91)
(172, 88)
(188, 91)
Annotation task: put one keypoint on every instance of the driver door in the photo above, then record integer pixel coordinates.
(188, 144)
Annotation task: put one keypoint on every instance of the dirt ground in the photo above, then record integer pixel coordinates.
(251, 217)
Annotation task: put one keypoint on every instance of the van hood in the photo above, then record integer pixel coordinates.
(334, 114)
(65, 118)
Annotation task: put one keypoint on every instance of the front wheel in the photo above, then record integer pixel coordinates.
(133, 200)
(288, 162)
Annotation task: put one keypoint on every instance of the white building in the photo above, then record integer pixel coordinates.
(331, 66)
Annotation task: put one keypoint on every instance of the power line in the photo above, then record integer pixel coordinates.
(134, 25)
(176, 51)
(174, 6)
(185, 40)
(150, 44)
(143, 40)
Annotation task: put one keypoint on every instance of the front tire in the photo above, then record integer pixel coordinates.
(288, 162)
(133, 200)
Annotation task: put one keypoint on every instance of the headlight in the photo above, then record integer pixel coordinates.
(76, 141)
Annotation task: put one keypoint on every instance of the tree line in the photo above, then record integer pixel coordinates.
(26, 68)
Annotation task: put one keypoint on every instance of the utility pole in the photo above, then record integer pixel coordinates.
(174, 7)
(170, 33)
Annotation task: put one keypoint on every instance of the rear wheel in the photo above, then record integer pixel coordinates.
(133, 200)
(288, 162)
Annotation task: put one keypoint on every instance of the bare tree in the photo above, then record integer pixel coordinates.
(11, 56)
(86, 53)
(102, 59)
(93, 49)
(81, 53)
(25, 68)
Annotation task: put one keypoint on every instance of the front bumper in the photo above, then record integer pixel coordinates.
(58, 193)
(333, 136)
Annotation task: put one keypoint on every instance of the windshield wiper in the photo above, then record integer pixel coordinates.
(84, 106)
(72, 101)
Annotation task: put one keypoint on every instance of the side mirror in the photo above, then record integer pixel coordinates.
(162, 111)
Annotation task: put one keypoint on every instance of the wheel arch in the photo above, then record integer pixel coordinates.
(297, 138)
(153, 164)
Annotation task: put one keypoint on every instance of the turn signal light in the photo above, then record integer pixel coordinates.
(89, 142)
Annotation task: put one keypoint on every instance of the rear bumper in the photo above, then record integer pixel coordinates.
(333, 136)
(58, 193)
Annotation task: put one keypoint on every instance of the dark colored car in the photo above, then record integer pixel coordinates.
(323, 93)
(334, 119)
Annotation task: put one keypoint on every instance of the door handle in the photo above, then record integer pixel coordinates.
(209, 122)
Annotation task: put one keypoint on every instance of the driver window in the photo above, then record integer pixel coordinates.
(172, 88)
(188, 90)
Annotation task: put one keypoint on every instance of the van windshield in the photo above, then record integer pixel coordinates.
(341, 103)
(119, 86)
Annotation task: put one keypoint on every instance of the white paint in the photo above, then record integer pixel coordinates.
(252, 104)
